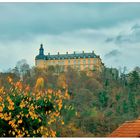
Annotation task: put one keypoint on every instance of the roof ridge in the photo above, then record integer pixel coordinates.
(130, 121)
(74, 53)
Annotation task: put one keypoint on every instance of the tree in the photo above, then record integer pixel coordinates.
(103, 99)
(22, 67)
(134, 79)
(83, 100)
(61, 82)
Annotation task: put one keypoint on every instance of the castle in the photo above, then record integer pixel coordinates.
(79, 61)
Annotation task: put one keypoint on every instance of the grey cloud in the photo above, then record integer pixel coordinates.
(109, 40)
(22, 19)
(122, 39)
(113, 53)
(130, 36)
(119, 39)
(135, 27)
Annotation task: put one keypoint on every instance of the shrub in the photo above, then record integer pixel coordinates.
(26, 113)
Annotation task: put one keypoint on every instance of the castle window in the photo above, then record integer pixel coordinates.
(78, 61)
(89, 61)
(62, 68)
(62, 62)
(59, 62)
(89, 66)
(84, 66)
(95, 61)
(68, 61)
(79, 67)
(84, 61)
(74, 61)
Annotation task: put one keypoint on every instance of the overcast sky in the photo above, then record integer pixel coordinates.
(112, 30)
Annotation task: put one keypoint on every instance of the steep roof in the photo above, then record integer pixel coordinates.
(67, 56)
(128, 129)
(40, 57)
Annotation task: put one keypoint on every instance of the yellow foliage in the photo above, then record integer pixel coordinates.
(18, 85)
(1, 108)
(19, 121)
(29, 107)
(67, 96)
(9, 79)
(49, 91)
(11, 107)
(0, 99)
(13, 132)
(39, 83)
(62, 81)
(1, 89)
(62, 122)
(53, 133)
(22, 104)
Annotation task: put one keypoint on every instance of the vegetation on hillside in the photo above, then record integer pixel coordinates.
(81, 103)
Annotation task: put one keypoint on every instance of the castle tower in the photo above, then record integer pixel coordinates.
(41, 50)
(40, 59)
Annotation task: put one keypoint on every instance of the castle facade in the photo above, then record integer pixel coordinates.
(79, 61)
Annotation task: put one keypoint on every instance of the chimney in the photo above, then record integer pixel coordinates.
(83, 51)
(58, 53)
(48, 53)
(92, 51)
(74, 52)
(66, 52)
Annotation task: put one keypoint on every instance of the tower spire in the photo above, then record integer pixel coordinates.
(41, 50)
